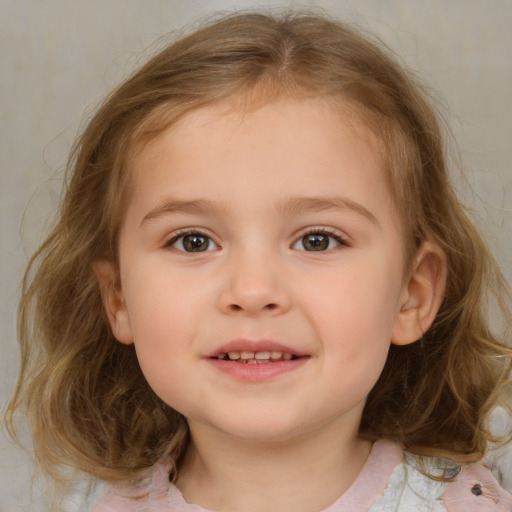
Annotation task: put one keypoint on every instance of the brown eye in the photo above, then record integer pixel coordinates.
(315, 242)
(193, 242)
(318, 241)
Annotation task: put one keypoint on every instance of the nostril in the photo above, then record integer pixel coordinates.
(268, 307)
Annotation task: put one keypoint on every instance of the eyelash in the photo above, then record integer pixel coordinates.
(182, 234)
(339, 239)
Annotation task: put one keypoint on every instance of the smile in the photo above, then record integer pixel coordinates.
(256, 360)
(260, 357)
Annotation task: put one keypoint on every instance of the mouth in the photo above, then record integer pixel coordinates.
(253, 361)
(256, 357)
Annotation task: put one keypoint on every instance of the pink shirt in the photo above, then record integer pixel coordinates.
(390, 481)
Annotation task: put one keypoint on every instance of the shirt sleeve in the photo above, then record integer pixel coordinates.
(476, 490)
(149, 494)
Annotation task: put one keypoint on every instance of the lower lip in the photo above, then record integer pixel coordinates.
(259, 372)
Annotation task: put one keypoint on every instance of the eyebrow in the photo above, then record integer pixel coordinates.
(176, 206)
(297, 205)
(290, 206)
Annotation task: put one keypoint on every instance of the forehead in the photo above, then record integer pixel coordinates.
(170, 120)
(278, 129)
(250, 159)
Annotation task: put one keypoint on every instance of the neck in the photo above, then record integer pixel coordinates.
(308, 472)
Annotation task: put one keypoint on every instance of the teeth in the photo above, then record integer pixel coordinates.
(263, 356)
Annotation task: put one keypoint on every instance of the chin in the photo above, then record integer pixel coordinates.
(258, 430)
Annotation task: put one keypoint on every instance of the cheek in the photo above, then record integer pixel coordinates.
(354, 314)
(160, 300)
(367, 296)
(163, 311)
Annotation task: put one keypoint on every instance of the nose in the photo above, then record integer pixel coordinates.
(254, 286)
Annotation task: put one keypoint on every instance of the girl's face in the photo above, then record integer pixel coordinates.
(261, 269)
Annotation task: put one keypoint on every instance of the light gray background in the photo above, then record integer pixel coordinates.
(59, 58)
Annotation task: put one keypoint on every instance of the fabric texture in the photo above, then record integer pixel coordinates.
(391, 481)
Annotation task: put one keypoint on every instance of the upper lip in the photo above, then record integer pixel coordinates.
(259, 345)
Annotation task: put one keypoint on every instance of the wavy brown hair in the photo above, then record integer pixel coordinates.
(88, 403)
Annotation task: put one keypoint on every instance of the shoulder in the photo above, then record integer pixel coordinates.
(475, 489)
(150, 492)
(440, 485)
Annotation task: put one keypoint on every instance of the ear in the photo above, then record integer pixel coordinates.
(422, 295)
(113, 301)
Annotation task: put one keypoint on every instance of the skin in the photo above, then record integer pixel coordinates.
(253, 185)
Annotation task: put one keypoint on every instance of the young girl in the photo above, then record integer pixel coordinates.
(262, 293)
